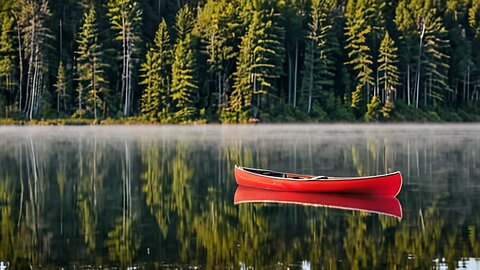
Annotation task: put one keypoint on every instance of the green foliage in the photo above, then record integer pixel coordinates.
(388, 73)
(90, 66)
(2, 107)
(448, 115)
(321, 44)
(32, 22)
(184, 91)
(474, 17)
(7, 59)
(259, 63)
(404, 112)
(387, 108)
(358, 30)
(240, 103)
(240, 61)
(267, 51)
(423, 26)
(373, 109)
(184, 22)
(469, 114)
(156, 75)
(436, 59)
(336, 110)
(387, 61)
(150, 102)
(217, 26)
(45, 105)
(125, 18)
(61, 88)
(462, 64)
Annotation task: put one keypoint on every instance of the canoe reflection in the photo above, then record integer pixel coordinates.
(384, 206)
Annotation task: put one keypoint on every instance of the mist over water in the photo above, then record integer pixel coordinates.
(162, 196)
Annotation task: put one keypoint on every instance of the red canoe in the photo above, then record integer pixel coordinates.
(386, 185)
(380, 205)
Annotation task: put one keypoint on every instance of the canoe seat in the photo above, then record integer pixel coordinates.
(321, 177)
(303, 177)
(286, 175)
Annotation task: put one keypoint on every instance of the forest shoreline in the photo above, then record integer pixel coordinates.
(142, 121)
(400, 114)
(232, 61)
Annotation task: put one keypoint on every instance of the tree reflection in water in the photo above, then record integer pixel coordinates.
(158, 201)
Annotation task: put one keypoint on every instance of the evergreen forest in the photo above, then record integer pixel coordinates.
(236, 61)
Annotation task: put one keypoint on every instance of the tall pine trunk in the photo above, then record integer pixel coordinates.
(310, 83)
(20, 65)
(124, 69)
(94, 87)
(468, 82)
(289, 79)
(29, 75)
(295, 76)
(219, 78)
(408, 84)
(417, 91)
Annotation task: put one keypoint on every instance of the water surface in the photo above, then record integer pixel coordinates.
(162, 197)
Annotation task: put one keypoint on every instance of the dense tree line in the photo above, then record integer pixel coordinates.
(239, 60)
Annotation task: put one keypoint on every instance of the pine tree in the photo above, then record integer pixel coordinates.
(388, 72)
(408, 47)
(45, 103)
(320, 46)
(240, 101)
(474, 23)
(294, 14)
(156, 74)
(7, 62)
(357, 30)
(125, 17)
(260, 62)
(80, 112)
(436, 60)
(373, 109)
(217, 24)
(461, 55)
(421, 27)
(32, 20)
(268, 52)
(474, 17)
(61, 87)
(150, 102)
(184, 91)
(90, 68)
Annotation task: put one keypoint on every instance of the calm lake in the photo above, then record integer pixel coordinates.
(162, 197)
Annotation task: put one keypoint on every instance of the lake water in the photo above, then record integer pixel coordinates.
(162, 197)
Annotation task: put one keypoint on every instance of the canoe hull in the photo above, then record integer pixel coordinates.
(387, 185)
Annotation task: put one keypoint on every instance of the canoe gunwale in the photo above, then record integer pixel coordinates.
(313, 178)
